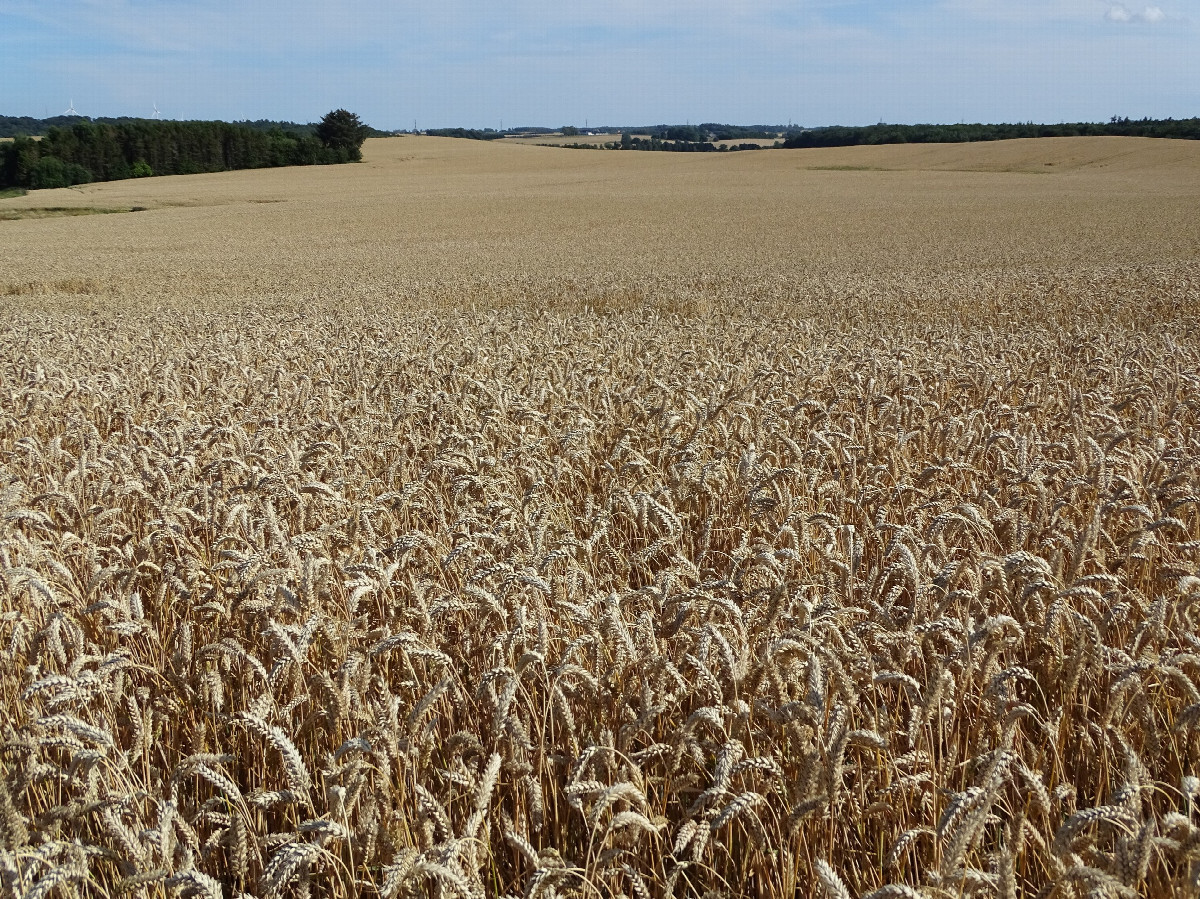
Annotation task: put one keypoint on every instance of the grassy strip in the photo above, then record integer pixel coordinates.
(45, 212)
(847, 168)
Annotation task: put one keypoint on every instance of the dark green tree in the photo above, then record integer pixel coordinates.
(343, 132)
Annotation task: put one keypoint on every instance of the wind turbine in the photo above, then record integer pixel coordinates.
(157, 114)
(71, 108)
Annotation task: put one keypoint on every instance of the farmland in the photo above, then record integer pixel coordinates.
(503, 520)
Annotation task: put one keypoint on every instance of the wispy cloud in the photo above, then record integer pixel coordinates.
(1032, 12)
(1150, 15)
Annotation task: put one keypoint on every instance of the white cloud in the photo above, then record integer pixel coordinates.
(1032, 12)
(1151, 15)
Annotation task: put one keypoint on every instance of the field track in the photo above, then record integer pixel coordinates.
(491, 520)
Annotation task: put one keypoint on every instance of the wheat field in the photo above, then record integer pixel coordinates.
(513, 521)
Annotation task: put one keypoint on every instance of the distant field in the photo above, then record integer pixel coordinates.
(497, 520)
(422, 214)
(561, 139)
(762, 142)
(1154, 161)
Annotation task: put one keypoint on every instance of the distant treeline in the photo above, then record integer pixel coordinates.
(95, 151)
(468, 133)
(696, 134)
(676, 144)
(654, 144)
(711, 131)
(840, 136)
(703, 138)
(16, 126)
(705, 132)
(308, 130)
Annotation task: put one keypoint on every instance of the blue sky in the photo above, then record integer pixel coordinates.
(552, 62)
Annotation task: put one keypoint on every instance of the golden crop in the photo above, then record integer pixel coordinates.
(492, 520)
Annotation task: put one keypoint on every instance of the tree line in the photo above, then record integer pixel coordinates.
(89, 151)
(467, 133)
(703, 138)
(842, 136)
(27, 126)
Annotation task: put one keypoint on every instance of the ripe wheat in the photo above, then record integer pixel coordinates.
(870, 583)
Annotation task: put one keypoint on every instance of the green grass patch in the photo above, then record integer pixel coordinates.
(846, 168)
(46, 212)
(8, 193)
